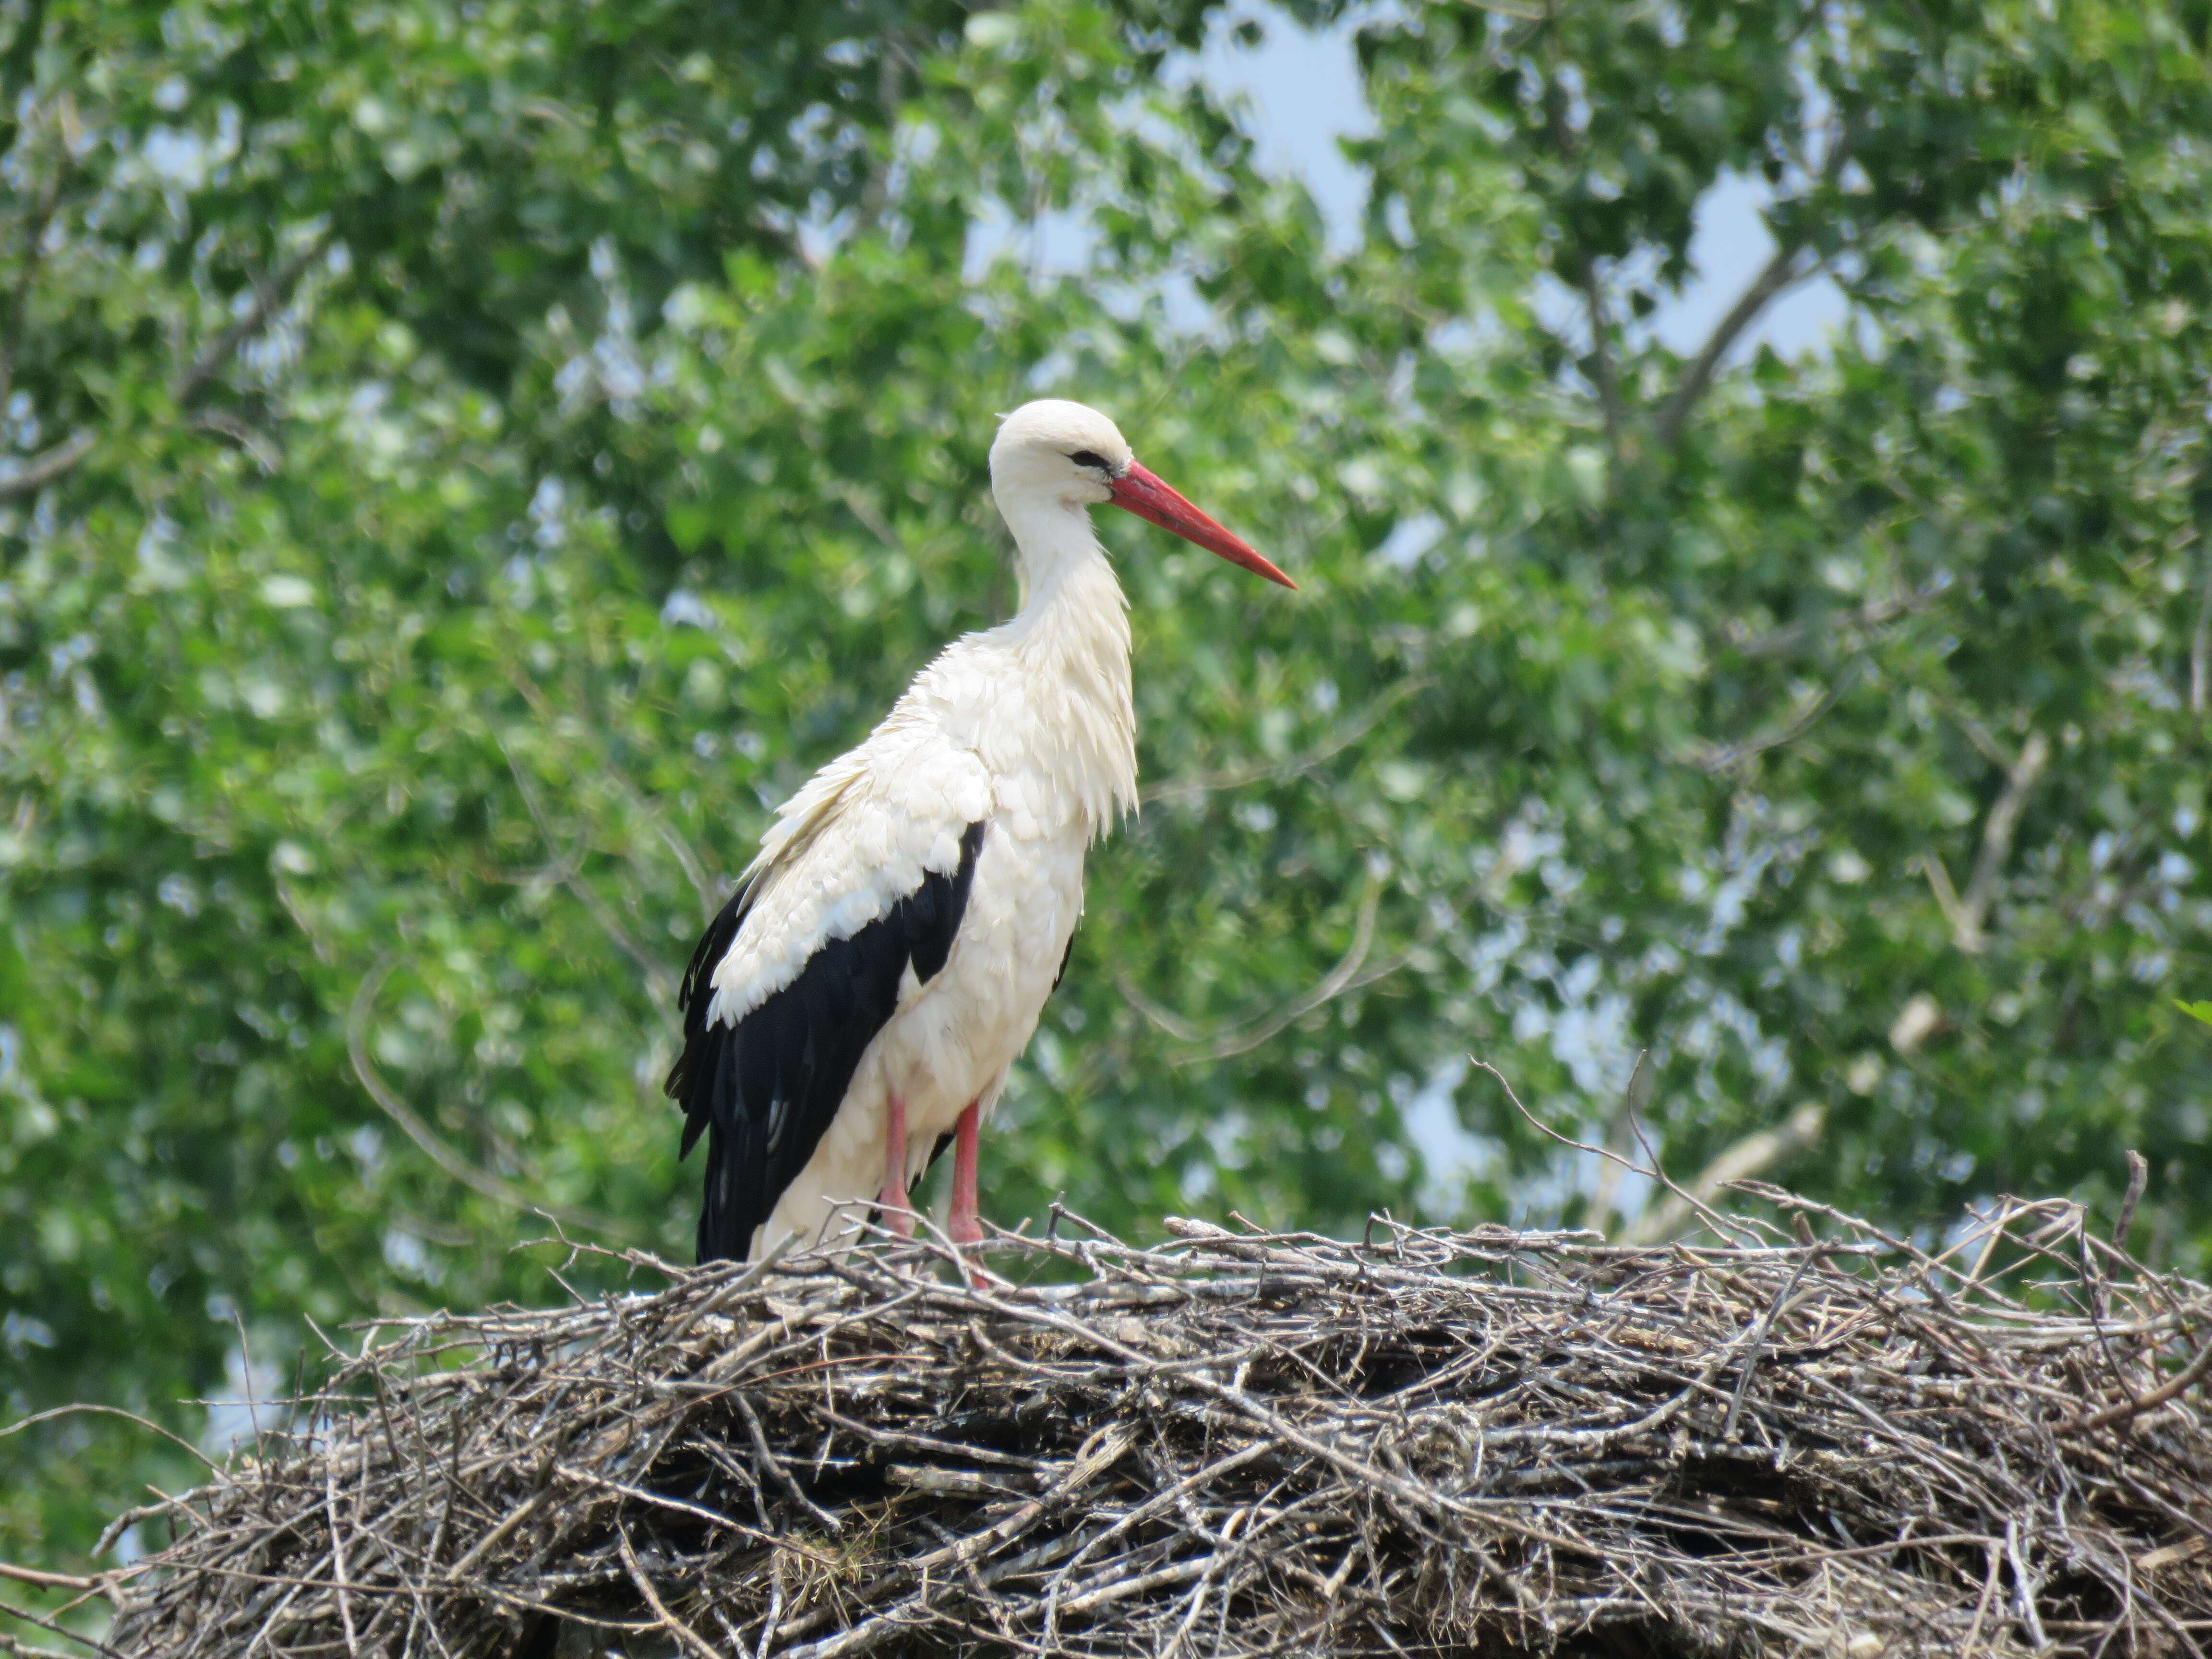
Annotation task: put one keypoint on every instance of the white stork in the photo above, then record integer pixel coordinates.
(886, 955)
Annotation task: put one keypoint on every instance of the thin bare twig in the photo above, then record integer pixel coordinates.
(659, 985)
(2138, 1179)
(1298, 765)
(1603, 1206)
(2003, 821)
(427, 1139)
(685, 1635)
(1756, 1153)
(151, 1427)
(709, 891)
(44, 1580)
(1249, 1034)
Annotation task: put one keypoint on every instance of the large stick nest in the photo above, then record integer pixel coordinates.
(1431, 1443)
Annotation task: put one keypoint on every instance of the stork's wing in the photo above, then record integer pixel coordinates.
(865, 875)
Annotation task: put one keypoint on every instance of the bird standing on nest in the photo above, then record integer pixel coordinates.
(859, 1001)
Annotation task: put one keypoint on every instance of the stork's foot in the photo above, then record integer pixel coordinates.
(897, 1213)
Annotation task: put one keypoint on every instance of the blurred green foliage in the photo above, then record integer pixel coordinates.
(465, 464)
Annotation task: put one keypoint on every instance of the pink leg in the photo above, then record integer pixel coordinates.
(964, 1225)
(898, 1214)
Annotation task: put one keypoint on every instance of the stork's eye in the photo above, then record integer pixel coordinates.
(1090, 457)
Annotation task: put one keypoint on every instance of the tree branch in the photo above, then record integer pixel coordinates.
(269, 298)
(257, 444)
(1964, 930)
(1606, 373)
(41, 471)
(1781, 272)
(1780, 641)
(1353, 972)
(2004, 819)
(70, 1581)
(1331, 985)
(1719, 759)
(2200, 639)
(1966, 913)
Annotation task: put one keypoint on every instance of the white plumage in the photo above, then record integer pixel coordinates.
(911, 908)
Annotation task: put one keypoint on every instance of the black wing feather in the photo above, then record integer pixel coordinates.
(765, 1090)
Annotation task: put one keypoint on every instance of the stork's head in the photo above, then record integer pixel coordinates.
(1055, 457)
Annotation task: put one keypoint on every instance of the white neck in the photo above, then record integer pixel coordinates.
(1071, 641)
(1051, 540)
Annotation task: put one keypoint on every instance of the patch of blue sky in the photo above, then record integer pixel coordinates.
(1300, 93)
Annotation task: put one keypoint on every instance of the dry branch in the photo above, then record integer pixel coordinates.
(1437, 1442)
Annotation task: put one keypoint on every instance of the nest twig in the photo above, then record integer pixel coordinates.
(1242, 1443)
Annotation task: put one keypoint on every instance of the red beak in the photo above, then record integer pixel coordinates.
(1144, 495)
